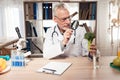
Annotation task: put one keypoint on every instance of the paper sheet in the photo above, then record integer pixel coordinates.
(55, 67)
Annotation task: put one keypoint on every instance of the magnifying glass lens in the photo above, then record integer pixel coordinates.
(74, 24)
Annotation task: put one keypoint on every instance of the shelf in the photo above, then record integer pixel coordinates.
(39, 13)
(33, 10)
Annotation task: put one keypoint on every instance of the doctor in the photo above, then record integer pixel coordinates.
(61, 40)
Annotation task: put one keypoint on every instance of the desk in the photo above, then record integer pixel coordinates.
(6, 42)
(81, 69)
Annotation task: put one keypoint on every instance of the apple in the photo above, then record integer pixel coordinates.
(116, 61)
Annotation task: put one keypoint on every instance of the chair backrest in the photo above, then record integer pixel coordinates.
(18, 32)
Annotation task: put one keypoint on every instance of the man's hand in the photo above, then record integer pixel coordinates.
(67, 34)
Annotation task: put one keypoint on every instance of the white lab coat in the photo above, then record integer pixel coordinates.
(52, 45)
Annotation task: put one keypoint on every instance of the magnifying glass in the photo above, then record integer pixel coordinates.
(74, 24)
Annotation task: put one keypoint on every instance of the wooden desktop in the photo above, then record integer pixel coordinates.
(81, 69)
(5, 42)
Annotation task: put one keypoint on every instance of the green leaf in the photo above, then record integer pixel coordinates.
(89, 36)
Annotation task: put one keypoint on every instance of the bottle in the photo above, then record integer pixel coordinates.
(96, 57)
(96, 60)
(17, 58)
(20, 60)
(13, 54)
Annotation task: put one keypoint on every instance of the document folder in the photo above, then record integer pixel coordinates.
(55, 67)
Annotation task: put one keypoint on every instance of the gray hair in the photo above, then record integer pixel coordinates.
(60, 6)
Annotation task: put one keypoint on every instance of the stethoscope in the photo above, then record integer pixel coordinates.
(74, 26)
(54, 32)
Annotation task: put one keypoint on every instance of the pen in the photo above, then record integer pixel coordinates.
(49, 69)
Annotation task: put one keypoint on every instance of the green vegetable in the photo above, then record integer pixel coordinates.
(89, 36)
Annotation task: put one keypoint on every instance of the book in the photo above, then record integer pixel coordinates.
(28, 45)
(55, 67)
(90, 11)
(28, 29)
(35, 32)
(84, 10)
(30, 11)
(47, 10)
(35, 10)
(93, 12)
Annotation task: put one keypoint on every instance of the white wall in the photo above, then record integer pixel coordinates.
(103, 36)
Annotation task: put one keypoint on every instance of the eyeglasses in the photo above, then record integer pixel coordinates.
(64, 19)
(69, 17)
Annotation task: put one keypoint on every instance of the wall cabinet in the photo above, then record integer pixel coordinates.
(39, 14)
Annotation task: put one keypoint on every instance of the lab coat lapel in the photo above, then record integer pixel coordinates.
(60, 36)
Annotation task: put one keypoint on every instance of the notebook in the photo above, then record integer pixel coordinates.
(55, 67)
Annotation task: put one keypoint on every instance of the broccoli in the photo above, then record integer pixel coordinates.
(89, 36)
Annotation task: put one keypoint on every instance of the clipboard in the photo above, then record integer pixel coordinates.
(55, 68)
